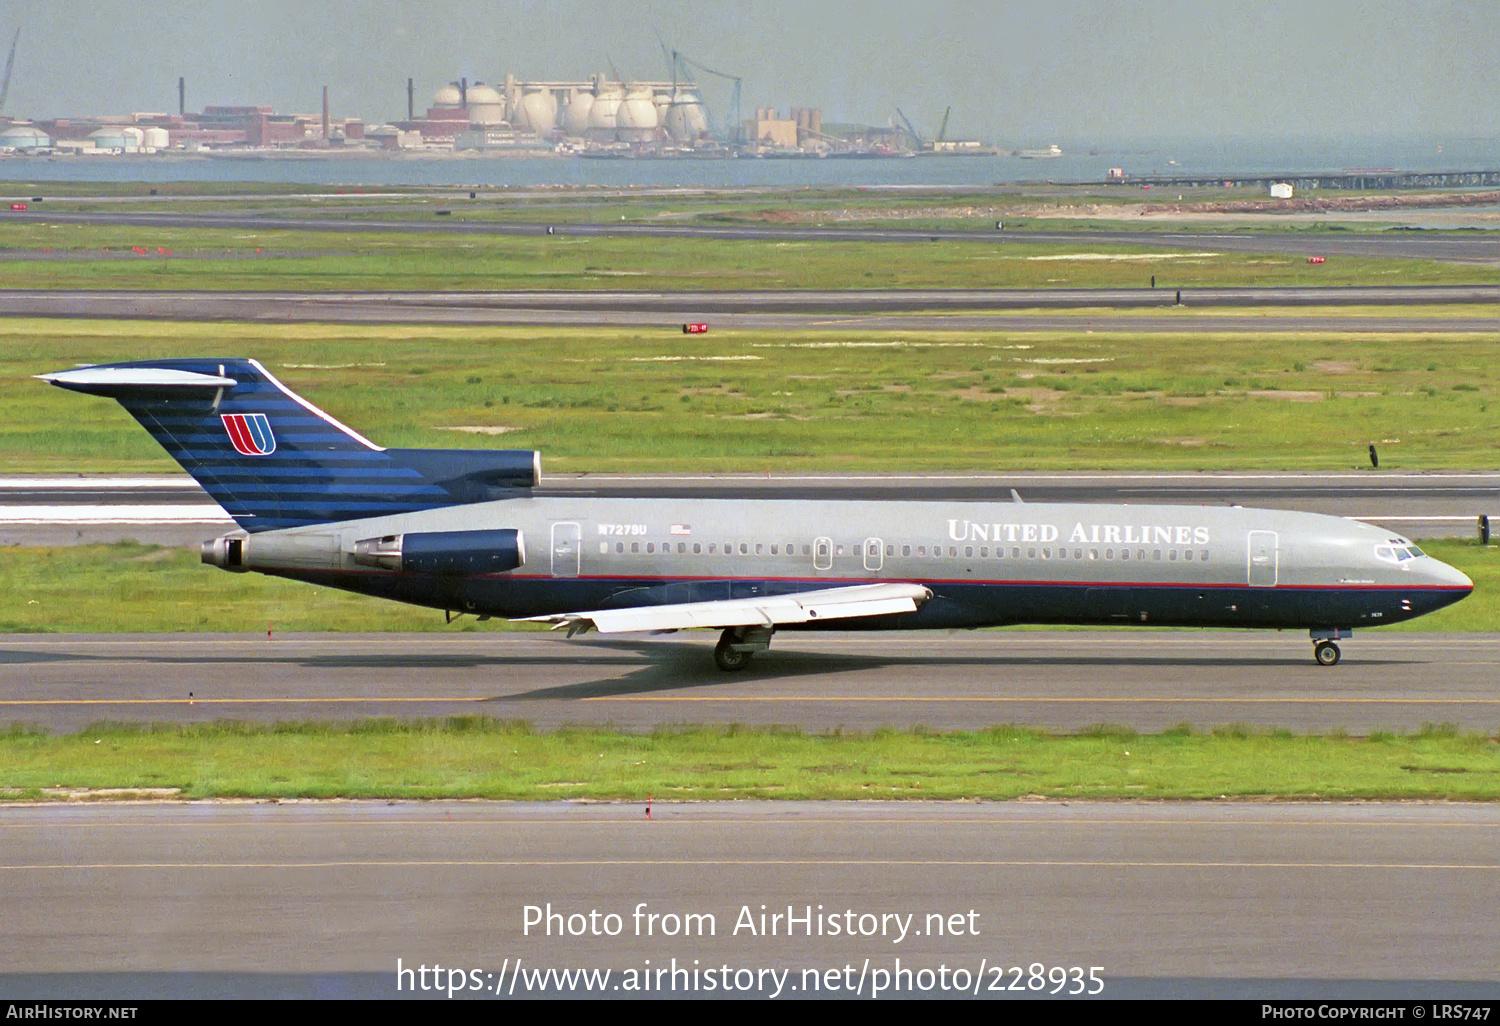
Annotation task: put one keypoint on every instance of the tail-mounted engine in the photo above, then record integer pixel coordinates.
(447, 553)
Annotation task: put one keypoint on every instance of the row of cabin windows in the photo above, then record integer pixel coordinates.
(713, 548)
(1032, 552)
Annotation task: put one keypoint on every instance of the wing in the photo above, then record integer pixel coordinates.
(761, 611)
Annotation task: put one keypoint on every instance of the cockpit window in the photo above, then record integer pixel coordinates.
(1396, 553)
(1416, 551)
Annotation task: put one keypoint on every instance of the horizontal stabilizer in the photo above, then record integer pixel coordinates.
(765, 611)
(115, 380)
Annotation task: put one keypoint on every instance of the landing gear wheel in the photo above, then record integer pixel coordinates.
(1326, 653)
(729, 659)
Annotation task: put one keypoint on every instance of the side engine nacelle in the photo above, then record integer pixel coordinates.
(447, 553)
(450, 553)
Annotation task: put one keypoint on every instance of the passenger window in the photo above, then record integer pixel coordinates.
(651, 546)
(635, 546)
(1172, 556)
(759, 548)
(921, 550)
(697, 548)
(1046, 553)
(968, 552)
(906, 550)
(1062, 553)
(619, 546)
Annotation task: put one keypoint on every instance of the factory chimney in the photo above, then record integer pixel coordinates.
(325, 115)
(411, 110)
(181, 95)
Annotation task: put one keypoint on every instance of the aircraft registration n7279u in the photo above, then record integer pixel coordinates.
(461, 531)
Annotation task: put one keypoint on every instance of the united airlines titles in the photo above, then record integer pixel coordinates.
(1082, 534)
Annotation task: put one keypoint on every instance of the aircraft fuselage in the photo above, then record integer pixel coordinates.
(985, 563)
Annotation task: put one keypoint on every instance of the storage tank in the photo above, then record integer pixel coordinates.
(686, 119)
(448, 97)
(576, 114)
(123, 137)
(155, 139)
(604, 114)
(486, 106)
(537, 111)
(636, 119)
(24, 137)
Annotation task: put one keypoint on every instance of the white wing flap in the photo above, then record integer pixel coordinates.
(767, 611)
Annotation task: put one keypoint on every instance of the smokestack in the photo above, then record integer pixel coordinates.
(325, 114)
(181, 96)
(411, 110)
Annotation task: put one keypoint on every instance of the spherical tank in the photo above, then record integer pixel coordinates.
(576, 114)
(604, 114)
(486, 106)
(448, 96)
(686, 120)
(637, 117)
(537, 111)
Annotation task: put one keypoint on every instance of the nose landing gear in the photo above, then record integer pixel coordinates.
(1326, 653)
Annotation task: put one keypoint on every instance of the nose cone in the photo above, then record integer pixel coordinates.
(1453, 582)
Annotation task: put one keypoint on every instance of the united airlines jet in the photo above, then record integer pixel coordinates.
(461, 531)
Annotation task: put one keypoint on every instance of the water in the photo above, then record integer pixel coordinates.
(1077, 164)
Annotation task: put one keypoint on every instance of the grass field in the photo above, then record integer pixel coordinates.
(631, 399)
(475, 758)
(43, 255)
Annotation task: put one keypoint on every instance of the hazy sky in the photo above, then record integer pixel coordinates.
(1013, 71)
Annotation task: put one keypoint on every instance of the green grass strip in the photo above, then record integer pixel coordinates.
(479, 758)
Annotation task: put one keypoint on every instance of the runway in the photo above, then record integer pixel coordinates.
(1060, 681)
(173, 510)
(1250, 901)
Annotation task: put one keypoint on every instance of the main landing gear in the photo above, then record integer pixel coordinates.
(1325, 651)
(737, 644)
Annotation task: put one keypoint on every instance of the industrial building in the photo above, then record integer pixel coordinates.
(596, 111)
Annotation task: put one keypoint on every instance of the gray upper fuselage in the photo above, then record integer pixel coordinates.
(926, 541)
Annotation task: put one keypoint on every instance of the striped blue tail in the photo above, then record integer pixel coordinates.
(273, 460)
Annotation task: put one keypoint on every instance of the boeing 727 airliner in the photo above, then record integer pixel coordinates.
(461, 531)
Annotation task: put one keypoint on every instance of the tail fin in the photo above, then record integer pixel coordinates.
(273, 460)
